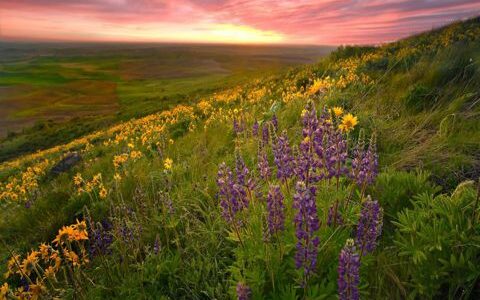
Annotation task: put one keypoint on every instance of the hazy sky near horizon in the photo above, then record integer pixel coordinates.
(233, 21)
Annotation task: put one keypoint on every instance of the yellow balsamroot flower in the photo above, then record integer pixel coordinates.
(338, 111)
(50, 272)
(72, 257)
(135, 154)
(44, 250)
(4, 291)
(103, 192)
(117, 177)
(168, 163)
(171, 141)
(29, 263)
(37, 289)
(67, 233)
(348, 123)
(77, 179)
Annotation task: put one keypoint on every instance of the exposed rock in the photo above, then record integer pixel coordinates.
(66, 163)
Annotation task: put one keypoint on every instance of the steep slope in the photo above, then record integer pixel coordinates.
(166, 217)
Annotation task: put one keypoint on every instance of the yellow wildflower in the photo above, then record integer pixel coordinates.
(338, 111)
(50, 272)
(77, 179)
(168, 163)
(103, 192)
(117, 177)
(65, 234)
(36, 290)
(4, 291)
(348, 123)
(44, 250)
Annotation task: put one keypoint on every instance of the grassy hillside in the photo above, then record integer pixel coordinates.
(53, 93)
(269, 189)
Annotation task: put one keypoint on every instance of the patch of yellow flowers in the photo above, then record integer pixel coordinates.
(41, 268)
(91, 187)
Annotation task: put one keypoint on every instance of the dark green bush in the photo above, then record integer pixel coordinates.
(438, 241)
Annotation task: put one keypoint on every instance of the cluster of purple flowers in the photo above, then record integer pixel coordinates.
(321, 155)
(232, 196)
(243, 291)
(369, 226)
(263, 165)
(101, 238)
(283, 157)
(336, 155)
(275, 122)
(156, 245)
(265, 134)
(238, 125)
(276, 210)
(310, 120)
(365, 163)
(244, 180)
(348, 272)
(255, 128)
(306, 226)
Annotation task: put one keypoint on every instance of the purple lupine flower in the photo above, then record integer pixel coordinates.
(236, 126)
(243, 173)
(369, 226)
(255, 128)
(357, 173)
(331, 217)
(365, 163)
(283, 157)
(263, 165)
(232, 197)
(265, 134)
(307, 164)
(348, 272)
(156, 245)
(321, 140)
(243, 291)
(336, 154)
(309, 120)
(101, 238)
(275, 122)
(275, 208)
(306, 226)
(126, 233)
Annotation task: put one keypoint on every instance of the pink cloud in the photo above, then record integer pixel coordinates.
(297, 21)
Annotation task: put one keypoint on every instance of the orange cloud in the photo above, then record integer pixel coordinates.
(233, 21)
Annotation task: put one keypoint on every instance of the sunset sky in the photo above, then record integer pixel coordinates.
(228, 21)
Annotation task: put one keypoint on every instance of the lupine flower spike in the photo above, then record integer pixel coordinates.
(369, 226)
(306, 226)
(275, 208)
(348, 272)
(283, 157)
(243, 291)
